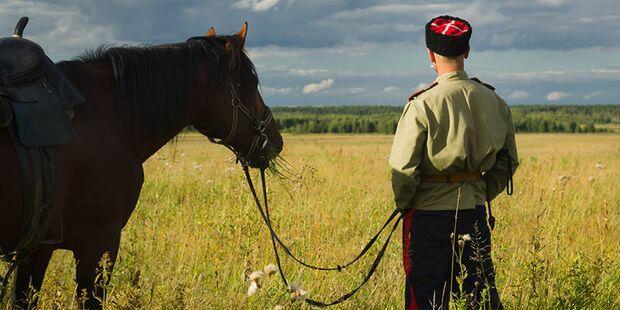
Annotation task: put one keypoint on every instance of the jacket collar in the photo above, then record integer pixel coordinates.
(454, 75)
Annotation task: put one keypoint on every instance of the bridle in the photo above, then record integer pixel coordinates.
(260, 141)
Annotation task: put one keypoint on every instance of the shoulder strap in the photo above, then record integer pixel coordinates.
(419, 92)
(489, 86)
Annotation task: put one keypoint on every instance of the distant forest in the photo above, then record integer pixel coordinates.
(383, 119)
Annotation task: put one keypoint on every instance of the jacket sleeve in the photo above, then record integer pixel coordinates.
(497, 177)
(407, 153)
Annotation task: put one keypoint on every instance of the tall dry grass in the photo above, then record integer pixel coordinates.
(196, 234)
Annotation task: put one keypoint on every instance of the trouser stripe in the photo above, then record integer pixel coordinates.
(410, 301)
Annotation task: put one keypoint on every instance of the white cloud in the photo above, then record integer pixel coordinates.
(390, 89)
(317, 87)
(394, 8)
(307, 72)
(502, 39)
(518, 94)
(593, 95)
(561, 75)
(356, 90)
(608, 71)
(421, 86)
(557, 95)
(255, 5)
(545, 75)
(279, 91)
(552, 2)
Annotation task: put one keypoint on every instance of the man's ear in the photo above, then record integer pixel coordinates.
(467, 53)
(431, 56)
(211, 32)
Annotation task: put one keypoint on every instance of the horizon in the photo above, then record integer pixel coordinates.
(319, 105)
(361, 52)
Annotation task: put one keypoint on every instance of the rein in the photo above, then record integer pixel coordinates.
(259, 143)
(275, 239)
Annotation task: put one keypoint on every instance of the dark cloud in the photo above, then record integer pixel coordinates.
(543, 24)
(360, 44)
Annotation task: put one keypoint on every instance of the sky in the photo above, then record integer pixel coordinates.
(330, 52)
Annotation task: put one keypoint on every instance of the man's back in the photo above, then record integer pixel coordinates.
(462, 125)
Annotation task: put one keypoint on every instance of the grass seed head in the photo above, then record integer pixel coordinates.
(253, 288)
(294, 286)
(298, 293)
(256, 276)
(270, 269)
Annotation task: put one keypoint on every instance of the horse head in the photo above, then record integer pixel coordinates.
(246, 125)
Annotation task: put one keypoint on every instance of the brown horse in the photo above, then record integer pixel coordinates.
(138, 99)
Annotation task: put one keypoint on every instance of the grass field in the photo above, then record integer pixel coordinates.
(196, 234)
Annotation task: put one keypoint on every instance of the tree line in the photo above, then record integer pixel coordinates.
(384, 119)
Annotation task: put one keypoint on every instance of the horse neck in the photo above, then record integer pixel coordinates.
(98, 84)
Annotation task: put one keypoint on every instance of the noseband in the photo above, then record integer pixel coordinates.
(260, 141)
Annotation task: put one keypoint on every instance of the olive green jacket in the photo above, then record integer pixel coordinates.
(457, 125)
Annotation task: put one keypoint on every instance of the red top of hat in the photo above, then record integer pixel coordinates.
(449, 27)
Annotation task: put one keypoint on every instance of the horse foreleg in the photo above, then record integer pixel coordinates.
(29, 278)
(94, 269)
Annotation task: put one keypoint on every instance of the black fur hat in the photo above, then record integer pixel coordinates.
(448, 36)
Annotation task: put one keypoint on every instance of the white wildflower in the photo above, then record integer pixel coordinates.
(294, 286)
(466, 237)
(564, 179)
(279, 307)
(230, 169)
(270, 269)
(256, 276)
(253, 288)
(599, 166)
(299, 295)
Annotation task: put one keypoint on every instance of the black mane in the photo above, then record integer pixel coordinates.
(154, 82)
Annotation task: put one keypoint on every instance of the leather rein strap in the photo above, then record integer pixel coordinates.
(275, 239)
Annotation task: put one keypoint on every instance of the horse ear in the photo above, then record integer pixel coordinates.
(243, 33)
(211, 32)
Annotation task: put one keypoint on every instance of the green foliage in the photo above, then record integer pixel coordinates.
(384, 119)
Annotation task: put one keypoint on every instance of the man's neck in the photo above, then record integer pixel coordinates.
(447, 68)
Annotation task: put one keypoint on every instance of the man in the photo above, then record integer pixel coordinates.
(454, 149)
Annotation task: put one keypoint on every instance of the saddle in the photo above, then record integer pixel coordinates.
(36, 99)
(38, 93)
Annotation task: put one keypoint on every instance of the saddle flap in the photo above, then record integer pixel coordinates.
(24, 94)
(65, 90)
(43, 122)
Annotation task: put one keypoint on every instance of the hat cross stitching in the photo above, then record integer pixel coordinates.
(450, 28)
